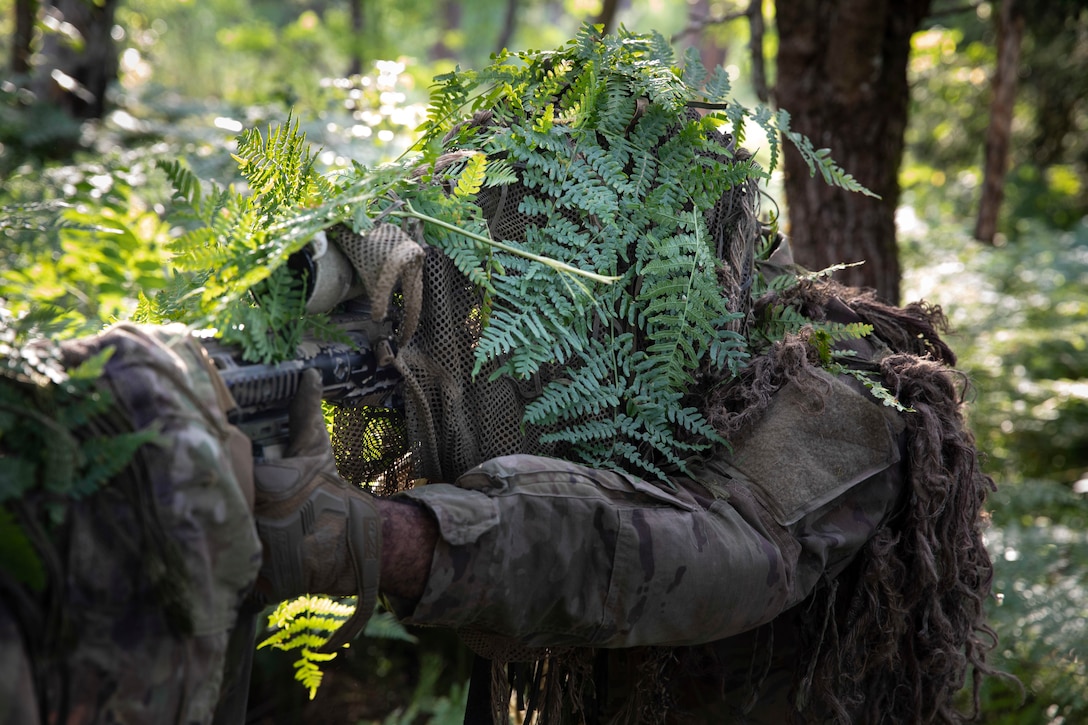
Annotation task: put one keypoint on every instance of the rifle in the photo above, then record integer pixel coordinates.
(355, 370)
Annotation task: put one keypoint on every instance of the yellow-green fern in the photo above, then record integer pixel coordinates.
(306, 623)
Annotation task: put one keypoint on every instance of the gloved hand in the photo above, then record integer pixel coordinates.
(320, 534)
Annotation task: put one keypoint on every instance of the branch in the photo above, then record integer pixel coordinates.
(697, 26)
(553, 263)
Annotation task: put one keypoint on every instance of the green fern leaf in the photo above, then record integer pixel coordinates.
(695, 74)
(471, 179)
(187, 187)
(719, 87)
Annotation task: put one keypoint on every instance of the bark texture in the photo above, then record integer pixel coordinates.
(1010, 33)
(842, 75)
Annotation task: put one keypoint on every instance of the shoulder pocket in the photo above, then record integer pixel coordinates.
(808, 449)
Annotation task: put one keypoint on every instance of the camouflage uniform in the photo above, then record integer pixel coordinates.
(534, 551)
(127, 644)
(548, 553)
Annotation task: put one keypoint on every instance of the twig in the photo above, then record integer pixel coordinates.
(697, 26)
(553, 263)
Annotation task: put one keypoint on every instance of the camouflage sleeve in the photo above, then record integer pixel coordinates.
(548, 553)
(153, 566)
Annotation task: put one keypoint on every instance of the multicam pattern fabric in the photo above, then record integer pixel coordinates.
(136, 645)
(551, 553)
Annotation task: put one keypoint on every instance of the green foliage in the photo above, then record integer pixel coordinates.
(230, 264)
(472, 178)
(784, 320)
(446, 709)
(238, 244)
(95, 262)
(620, 179)
(52, 441)
(951, 67)
(306, 623)
(1020, 319)
(1041, 566)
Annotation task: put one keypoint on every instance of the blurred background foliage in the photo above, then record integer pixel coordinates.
(86, 217)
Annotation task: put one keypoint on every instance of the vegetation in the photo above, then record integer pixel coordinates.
(91, 232)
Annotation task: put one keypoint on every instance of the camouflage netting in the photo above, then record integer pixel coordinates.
(454, 420)
(451, 420)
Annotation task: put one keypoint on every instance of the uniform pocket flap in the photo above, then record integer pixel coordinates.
(810, 446)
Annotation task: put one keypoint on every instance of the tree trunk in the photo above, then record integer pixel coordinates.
(26, 13)
(756, 26)
(607, 16)
(842, 75)
(451, 20)
(509, 24)
(76, 76)
(358, 28)
(1010, 31)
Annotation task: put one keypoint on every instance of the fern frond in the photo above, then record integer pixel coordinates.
(819, 159)
(306, 623)
(596, 383)
(471, 179)
(875, 387)
(187, 187)
(719, 88)
(500, 173)
(695, 73)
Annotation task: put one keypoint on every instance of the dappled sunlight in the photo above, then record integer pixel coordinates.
(89, 223)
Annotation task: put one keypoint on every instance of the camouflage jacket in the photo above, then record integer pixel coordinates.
(148, 572)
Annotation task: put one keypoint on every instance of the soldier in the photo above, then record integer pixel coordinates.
(827, 567)
(145, 576)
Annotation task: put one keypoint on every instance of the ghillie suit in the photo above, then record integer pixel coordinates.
(895, 637)
(890, 639)
(931, 564)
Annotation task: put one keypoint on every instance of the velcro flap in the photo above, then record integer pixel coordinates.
(811, 446)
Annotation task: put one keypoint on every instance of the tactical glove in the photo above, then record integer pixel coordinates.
(320, 534)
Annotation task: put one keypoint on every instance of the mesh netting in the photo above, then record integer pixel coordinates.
(372, 447)
(453, 420)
